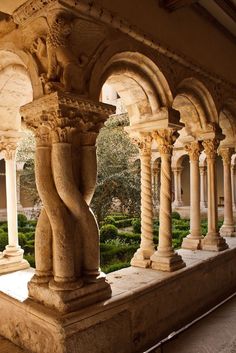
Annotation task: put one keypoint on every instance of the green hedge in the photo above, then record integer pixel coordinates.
(108, 231)
(124, 223)
(136, 224)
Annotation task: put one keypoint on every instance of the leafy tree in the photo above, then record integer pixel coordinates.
(118, 179)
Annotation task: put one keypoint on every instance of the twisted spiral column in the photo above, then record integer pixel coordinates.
(193, 240)
(165, 258)
(142, 256)
(212, 241)
(227, 229)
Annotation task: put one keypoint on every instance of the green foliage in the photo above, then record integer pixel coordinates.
(31, 259)
(119, 216)
(136, 224)
(115, 267)
(108, 231)
(176, 215)
(22, 220)
(22, 239)
(3, 241)
(118, 179)
(123, 223)
(109, 220)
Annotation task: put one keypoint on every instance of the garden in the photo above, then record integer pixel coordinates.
(119, 237)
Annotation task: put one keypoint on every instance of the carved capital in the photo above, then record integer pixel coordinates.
(226, 154)
(165, 139)
(8, 150)
(194, 150)
(144, 143)
(210, 148)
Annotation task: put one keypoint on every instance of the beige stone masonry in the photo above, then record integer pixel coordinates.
(142, 256)
(67, 255)
(165, 258)
(228, 228)
(193, 240)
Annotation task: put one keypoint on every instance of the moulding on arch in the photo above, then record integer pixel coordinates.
(86, 7)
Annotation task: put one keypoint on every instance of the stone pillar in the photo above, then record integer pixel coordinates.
(233, 180)
(18, 175)
(13, 254)
(165, 258)
(203, 187)
(67, 233)
(177, 187)
(156, 187)
(193, 240)
(142, 256)
(212, 241)
(227, 229)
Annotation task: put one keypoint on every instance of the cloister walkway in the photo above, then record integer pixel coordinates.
(215, 333)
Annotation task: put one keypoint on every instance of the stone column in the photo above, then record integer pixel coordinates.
(142, 256)
(233, 177)
(165, 258)
(177, 187)
(227, 229)
(203, 187)
(212, 241)
(193, 240)
(18, 175)
(13, 254)
(156, 188)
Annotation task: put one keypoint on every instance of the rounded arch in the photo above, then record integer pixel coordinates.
(15, 90)
(227, 122)
(196, 105)
(138, 81)
(178, 158)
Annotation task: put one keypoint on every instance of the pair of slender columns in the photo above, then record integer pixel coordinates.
(203, 187)
(213, 240)
(165, 258)
(12, 256)
(177, 187)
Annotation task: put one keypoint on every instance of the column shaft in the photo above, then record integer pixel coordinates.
(193, 240)
(142, 256)
(203, 187)
(213, 241)
(227, 228)
(165, 258)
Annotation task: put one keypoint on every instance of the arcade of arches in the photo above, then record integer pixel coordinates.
(55, 57)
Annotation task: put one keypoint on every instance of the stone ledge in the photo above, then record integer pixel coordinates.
(146, 305)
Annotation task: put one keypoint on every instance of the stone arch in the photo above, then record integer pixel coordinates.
(196, 105)
(15, 89)
(138, 81)
(227, 122)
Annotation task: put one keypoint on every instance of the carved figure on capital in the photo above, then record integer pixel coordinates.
(143, 142)
(165, 139)
(194, 150)
(210, 147)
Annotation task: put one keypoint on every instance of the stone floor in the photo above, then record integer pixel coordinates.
(216, 333)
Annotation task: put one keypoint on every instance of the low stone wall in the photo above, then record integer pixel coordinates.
(146, 306)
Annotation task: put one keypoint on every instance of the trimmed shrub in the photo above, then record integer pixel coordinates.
(176, 215)
(124, 223)
(22, 220)
(136, 224)
(108, 231)
(109, 220)
(3, 241)
(115, 267)
(119, 216)
(22, 240)
(31, 259)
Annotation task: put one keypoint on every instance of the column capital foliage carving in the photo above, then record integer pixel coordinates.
(8, 147)
(165, 139)
(226, 154)
(210, 148)
(64, 117)
(194, 150)
(144, 143)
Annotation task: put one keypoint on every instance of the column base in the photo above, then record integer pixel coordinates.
(142, 258)
(177, 204)
(191, 243)
(227, 231)
(70, 300)
(170, 263)
(13, 252)
(214, 242)
(8, 265)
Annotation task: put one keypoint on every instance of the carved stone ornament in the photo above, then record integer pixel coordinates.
(210, 148)
(144, 143)
(165, 139)
(63, 116)
(194, 150)
(8, 148)
(226, 154)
